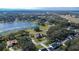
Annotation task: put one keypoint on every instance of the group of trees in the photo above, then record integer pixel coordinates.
(72, 45)
(41, 22)
(2, 43)
(75, 25)
(11, 17)
(37, 28)
(57, 32)
(24, 41)
(59, 21)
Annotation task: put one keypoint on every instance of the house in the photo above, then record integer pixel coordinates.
(77, 35)
(70, 37)
(38, 35)
(10, 43)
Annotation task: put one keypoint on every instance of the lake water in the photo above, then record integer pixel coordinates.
(16, 26)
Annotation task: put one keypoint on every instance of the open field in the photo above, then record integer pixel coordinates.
(72, 19)
(76, 20)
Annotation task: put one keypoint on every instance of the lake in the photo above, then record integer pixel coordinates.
(16, 26)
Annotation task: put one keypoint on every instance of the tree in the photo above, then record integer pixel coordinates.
(2, 46)
(37, 29)
(11, 36)
(42, 22)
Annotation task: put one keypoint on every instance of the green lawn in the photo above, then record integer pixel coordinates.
(38, 47)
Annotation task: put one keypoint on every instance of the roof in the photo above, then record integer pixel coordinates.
(38, 35)
(10, 42)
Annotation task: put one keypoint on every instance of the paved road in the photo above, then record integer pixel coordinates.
(63, 42)
(34, 42)
(44, 46)
(11, 49)
(40, 43)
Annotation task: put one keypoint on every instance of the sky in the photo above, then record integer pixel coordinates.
(32, 4)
